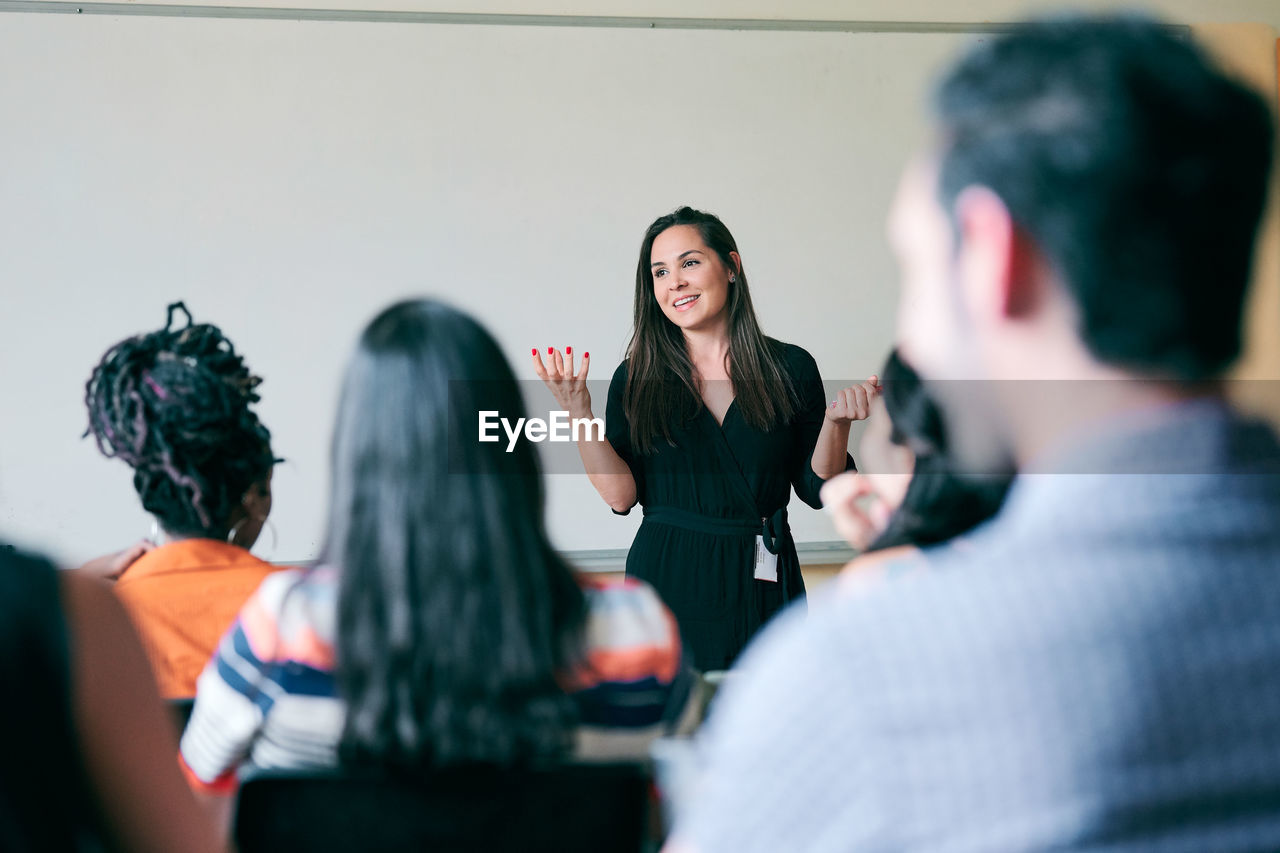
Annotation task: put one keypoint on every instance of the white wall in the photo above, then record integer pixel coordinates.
(980, 11)
(288, 178)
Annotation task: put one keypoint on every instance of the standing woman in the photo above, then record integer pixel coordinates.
(709, 425)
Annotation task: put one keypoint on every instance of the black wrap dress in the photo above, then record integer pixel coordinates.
(706, 500)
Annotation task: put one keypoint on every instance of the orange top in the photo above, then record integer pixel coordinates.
(183, 597)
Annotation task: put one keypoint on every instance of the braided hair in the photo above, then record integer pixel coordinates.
(174, 405)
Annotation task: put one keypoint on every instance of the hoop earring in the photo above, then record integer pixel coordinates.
(266, 523)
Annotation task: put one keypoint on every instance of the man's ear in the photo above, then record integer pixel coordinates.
(987, 256)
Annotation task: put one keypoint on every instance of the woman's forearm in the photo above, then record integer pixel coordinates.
(830, 450)
(606, 470)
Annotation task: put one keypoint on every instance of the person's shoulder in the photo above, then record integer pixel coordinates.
(935, 603)
(301, 586)
(793, 700)
(93, 615)
(275, 586)
(293, 602)
(292, 617)
(878, 593)
(626, 598)
(791, 670)
(791, 636)
(840, 646)
(869, 569)
(630, 632)
(620, 372)
(796, 358)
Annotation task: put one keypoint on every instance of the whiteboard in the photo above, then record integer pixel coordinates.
(289, 178)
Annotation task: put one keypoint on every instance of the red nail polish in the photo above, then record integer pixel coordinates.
(568, 350)
(586, 355)
(535, 350)
(550, 350)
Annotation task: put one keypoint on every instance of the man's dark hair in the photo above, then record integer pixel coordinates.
(1138, 168)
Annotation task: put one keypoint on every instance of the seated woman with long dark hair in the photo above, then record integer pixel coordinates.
(176, 405)
(909, 494)
(439, 626)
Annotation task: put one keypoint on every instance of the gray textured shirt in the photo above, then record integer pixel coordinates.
(1096, 669)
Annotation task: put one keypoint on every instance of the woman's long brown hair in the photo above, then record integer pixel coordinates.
(661, 388)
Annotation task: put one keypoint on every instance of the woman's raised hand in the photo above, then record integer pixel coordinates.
(854, 403)
(569, 389)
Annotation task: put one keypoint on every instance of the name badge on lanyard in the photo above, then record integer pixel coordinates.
(766, 563)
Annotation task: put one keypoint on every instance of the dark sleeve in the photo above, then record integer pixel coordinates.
(806, 426)
(617, 429)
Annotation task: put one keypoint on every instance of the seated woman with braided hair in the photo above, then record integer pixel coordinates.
(176, 405)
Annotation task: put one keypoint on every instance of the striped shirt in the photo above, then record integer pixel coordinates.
(268, 698)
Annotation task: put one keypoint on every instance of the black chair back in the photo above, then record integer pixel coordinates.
(574, 807)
